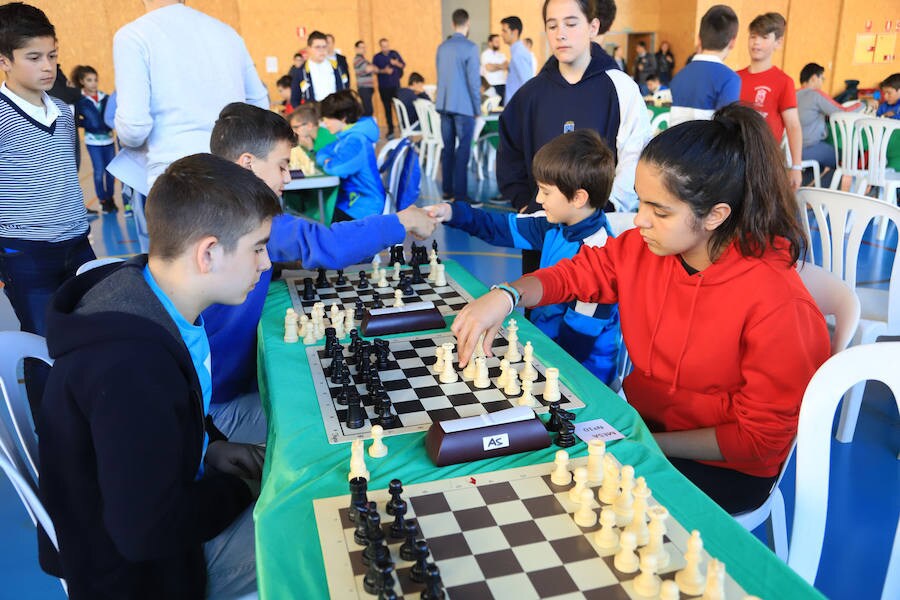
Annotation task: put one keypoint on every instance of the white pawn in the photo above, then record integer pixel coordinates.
(596, 450)
(579, 475)
(357, 461)
(481, 373)
(690, 579)
(527, 398)
(626, 560)
(609, 491)
(512, 383)
(504, 373)
(607, 538)
(551, 386)
(440, 278)
(638, 523)
(396, 275)
(560, 475)
(336, 313)
(339, 328)
(624, 504)
(382, 279)
(657, 530)
(432, 267)
(585, 515)
(310, 336)
(669, 590)
(647, 584)
(448, 373)
(304, 325)
(398, 298)
(470, 370)
(715, 581)
(377, 449)
(528, 371)
(439, 362)
(376, 260)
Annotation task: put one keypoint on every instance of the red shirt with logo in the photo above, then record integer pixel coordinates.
(770, 92)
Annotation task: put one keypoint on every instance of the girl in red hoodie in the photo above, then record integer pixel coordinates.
(722, 333)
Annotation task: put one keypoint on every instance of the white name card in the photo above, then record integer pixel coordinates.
(598, 429)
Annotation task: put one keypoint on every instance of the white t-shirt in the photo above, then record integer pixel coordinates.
(322, 75)
(493, 57)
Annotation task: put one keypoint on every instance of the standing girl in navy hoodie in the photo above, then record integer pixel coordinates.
(97, 135)
(723, 335)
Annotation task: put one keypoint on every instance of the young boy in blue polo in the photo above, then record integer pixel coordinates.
(574, 173)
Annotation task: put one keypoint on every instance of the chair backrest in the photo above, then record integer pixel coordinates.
(402, 117)
(823, 394)
(491, 104)
(429, 119)
(659, 123)
(835, 297)
(876, 133)
(386, 151)
(14, 347)
(29, 498)
(98, 262)
(393, 186)
(843, 134)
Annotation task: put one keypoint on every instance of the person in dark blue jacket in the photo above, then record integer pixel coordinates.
(351, 156)
(97, 134)
(261, 141)
(574, 174)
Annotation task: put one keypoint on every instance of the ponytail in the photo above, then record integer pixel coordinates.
(732, 159)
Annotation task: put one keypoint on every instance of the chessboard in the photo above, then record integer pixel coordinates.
(344, 292)
(503, 534)
(417, 395)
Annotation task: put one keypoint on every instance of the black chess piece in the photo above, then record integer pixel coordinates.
(341, 280)
(377, 302)
(363, 281)
(379, 395)
(309, 291)
(386, 415)
(434, 587)
(413, 253)
(374, 379)
(388, 593)
(407, 288)
(358, 488)
(395, 488)
(359, 536)
(336, 369)
(408, 548)
(417, 573)
(322, 279)
(330, 339)
(398, 527)
(343, 397)
(382, 353)
(400, 258)
(434, 246)
(375, 576)
(359, 311)
(566, 436)
(417, 274)
(386, 570)
(356, 414)
(373, 533)
(553, 424)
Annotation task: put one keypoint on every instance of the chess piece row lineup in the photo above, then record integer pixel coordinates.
(370, 358)
(313, 328)
(370, 533)
(624, 510)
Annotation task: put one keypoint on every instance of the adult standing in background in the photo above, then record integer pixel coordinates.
(665, 63)
(529, 44)
(521, 68)
(619, 57)
(644, 67)
(459, 102)
(365, 78)
(390, 67)
(333, 54)
(494, 64)
(176, 69)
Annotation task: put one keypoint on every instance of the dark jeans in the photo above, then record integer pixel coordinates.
(455, 160)
(734, 491)
(104, 183)
(33, 271)
(387, 96)
(501, 91)
(365, 94)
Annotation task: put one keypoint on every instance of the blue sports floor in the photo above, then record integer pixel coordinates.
(864, 498)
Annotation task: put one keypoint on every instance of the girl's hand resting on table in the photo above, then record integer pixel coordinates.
(482, 316)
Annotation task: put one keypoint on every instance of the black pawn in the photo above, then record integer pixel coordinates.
(356, 414)
(417, 274)
(386, 571)
(408, 548)
(386, 414)
(374, 578)
(322, 279)
(434, 246)
(363, 281)
(388, 593)
(395, 488)
(360, 536)
(566, 436)
(382, 352)
(398, 527)
(374, 537)
(407, 289)
(413, 253)
(359, 312)
(343, 397)
(335, 369)
(377, 302)
(434, 587)
(417, 573)
(358, 488)
(309, 291)
(341, 280)
(330, 339)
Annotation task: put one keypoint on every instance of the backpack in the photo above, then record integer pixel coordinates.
(410, 181)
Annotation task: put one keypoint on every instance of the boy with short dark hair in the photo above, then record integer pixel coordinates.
(261, 141)
(574, 174)
(138, 483)
(320, 76)
(43, 221)
(408, 96)
(706, 84)
(770, 90)
(284, 92)
(890, 96)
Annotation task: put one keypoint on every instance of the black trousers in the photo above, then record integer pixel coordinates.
(734, 491)
(365, 94)
(387, 95)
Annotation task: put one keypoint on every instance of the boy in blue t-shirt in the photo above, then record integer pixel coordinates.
(890, 94)
(574, 173)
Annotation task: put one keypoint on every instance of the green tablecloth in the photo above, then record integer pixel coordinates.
(301, 466)
(306, 202)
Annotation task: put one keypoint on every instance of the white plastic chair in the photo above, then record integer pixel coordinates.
(98, 262)
(834, 298)
(804, 164)
(657, 122)
(406, 128)
(836, 376)
(842, 219)
(432, 141)
(877, 133)
(386, 150)
(846, 158)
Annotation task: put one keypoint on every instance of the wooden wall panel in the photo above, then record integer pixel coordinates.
(677, 26)
(532, 24)
(853, 19)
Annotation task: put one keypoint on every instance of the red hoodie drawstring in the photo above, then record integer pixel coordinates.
(687, 334)
(648, 372)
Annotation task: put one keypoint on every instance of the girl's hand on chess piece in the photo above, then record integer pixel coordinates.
(442, 212)
(482, 316)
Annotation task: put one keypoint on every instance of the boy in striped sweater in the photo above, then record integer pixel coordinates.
(43, 221)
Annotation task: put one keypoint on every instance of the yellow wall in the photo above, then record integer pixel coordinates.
(853, 17)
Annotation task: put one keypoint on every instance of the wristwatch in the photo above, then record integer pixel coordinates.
(512, 293)
(796, 167)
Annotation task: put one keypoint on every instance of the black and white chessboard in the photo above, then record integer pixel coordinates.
(505, 534)
(449, 299)
(418, 396)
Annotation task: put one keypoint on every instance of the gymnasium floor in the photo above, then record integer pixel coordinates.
(865, 481)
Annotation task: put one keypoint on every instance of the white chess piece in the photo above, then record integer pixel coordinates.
(440, 278)
(376, 260)
(585, 515)
(528, 371)
(669, 590)
(512, 383)
(291, 333)
(657, 530)
(527, 398)
(626, 560)
(336, 314)
(609, 491)
(448, 373)
(560, 475)
(439, 356)
(432, 267)
(504, 374)
(310, 335)
(596, 450)
(607, 538)
(339, 327)
(382, 279)
(624, 504)
(689, 579)
(470, 370)
(398, 298)
(551, 385)
(579, 476)
(715, 581)
(638, 524)
(647, 584)
(512, 350)
(481, 373)
(396, 275)
(358, 460)
(377, 449)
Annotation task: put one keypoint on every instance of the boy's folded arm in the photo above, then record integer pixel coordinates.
(137, 418)
(345, 158)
